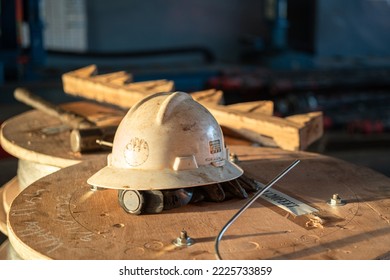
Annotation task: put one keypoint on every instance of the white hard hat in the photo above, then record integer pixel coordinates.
(166, 141)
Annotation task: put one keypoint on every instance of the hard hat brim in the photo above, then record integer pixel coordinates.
(137, 179)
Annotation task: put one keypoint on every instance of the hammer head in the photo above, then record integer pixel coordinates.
(86, 139)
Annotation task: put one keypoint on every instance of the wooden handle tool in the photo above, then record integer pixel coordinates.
(73, 120)
(87, 139)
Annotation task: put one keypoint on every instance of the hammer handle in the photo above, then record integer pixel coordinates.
(69, 118)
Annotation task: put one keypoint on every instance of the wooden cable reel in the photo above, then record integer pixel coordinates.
(41, 144)
(59, 217)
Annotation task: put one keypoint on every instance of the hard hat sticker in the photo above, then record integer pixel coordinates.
(136, 151)
(215, 146)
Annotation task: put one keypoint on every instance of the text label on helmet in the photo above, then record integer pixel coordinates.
(215, 146)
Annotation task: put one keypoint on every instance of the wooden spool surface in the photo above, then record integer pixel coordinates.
(8, 192)
(58, 217)
(24, 137)
(3, 216)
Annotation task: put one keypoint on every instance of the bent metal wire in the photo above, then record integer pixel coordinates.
(248, 204)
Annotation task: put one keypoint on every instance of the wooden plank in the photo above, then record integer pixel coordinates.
(265, 107)
(123, 95)
(120, 78)
(215, 97)
(232, 138)
(278, 132)
(212, 96)
(58, 217)
(96, 113)
(312, 127)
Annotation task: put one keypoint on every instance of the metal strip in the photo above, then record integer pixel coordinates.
(287, 203)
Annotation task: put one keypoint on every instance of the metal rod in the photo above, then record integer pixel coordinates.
(249, 203)
(104, 143)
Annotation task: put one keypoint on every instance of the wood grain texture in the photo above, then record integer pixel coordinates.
(252, 120)
(24, 136)
(265, 107)
(269, 130)
(58, 217)
(209, 96)
(84, 82)
(67, 117)
(42, 144)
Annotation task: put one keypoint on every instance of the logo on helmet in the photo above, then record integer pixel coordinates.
(136, 151)
(215, 146)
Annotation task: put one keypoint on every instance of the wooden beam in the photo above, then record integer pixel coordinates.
(293, 133)
(119, 78)
(312, 127)
(110, 88)
(254, 121)
(212, 96)
(265, 107)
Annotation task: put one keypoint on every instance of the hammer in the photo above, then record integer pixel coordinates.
(85, 135)
(92, 139)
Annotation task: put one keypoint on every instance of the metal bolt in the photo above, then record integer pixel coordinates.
(336, 200)
(183, 234)
(234, 158)
(183, 240)
(95, 188)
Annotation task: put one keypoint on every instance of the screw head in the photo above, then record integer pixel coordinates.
(183, 240)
